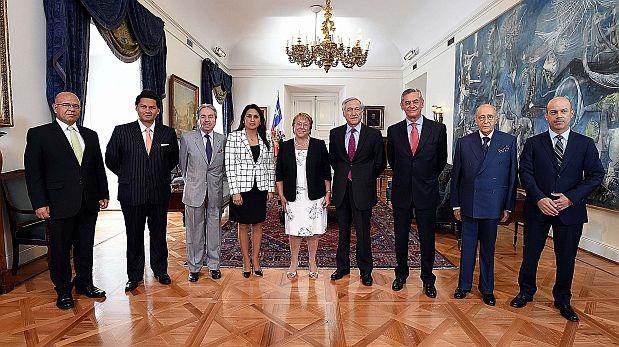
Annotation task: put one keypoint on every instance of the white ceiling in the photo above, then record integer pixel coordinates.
(253, 33)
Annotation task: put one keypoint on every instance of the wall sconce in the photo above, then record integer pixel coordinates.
(438, 113)
(219, 52)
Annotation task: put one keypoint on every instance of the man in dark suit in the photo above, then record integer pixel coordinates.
(559, 169)
(417, 153)
(483, 191)
(356, 154)
(142, 154)
(67, 186)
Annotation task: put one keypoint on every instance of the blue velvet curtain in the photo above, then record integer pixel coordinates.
(148, 31)
(68, 42)
(212, 76)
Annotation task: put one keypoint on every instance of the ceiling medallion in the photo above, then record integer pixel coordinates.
(326, 53)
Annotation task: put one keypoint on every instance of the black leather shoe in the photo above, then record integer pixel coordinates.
(338, 274)
(430, 291)
(520, 301)
(258, 273)
(163, 278)
(489, 299)
(460, 293)
(131, 285)
(65, 301)
(398, 284)
(567, 312)
(215, 274)
(366, 279)
(90, 291)
(246, 274)
(193, 276)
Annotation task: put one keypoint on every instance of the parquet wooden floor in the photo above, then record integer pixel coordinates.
(235, 311)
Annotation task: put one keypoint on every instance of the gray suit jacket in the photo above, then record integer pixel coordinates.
(200, 176)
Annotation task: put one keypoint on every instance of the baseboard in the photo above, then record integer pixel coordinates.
(599, 248)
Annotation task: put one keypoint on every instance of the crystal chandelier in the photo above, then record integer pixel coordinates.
(326, 53)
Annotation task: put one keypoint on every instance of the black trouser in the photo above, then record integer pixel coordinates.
(565, 239)
(346, 213)
(426, 224)
(77, 231)
(135, 219)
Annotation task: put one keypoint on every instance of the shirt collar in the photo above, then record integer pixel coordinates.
(418, 122)
(64, 126)
(204, 134)
(143, 127)
(481, 136)
(356, 127)
(565, 135)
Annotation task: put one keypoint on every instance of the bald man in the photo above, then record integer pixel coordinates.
(483, 192)
(559, 169)
(67, 186)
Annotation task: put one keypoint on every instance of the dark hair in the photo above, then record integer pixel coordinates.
(262, 128)
(148, 94)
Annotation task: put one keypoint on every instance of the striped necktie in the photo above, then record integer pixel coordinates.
(559, 148)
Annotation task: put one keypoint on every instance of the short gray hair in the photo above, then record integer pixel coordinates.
(351, 99)
(411, 90)
(203, 106)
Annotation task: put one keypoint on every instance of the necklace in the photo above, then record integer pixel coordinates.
(298, 144)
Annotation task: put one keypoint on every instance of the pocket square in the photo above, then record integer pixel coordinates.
(503, 149)
(221, 150)
(165, 144)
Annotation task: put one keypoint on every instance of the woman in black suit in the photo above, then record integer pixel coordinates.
(303, 178)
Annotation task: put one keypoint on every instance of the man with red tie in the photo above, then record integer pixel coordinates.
(356, 154)
(417, 153)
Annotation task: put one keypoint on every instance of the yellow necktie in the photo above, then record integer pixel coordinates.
(76, 145)
(149, 140)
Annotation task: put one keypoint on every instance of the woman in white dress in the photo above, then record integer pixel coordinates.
(303, 178)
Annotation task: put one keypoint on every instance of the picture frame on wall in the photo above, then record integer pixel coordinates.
(374, 117)
(264, 110)
(6, 100)
(183, 105)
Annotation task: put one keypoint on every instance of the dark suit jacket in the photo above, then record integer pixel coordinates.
(55, 178)
(367, 165)
(317, 170)
(415, 178)
(579, 175)
(484, 186)
(142, 178)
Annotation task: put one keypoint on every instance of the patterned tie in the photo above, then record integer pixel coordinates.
(76, 145)
(149, 140)
(352, 147)
(414, 138)
(209, 148)
(484, 145)
(559, 150)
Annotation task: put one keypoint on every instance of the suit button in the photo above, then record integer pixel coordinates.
(80, 181)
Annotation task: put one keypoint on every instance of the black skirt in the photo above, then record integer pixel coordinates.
(253, 210)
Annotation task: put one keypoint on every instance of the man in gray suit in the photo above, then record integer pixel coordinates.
(202, 166)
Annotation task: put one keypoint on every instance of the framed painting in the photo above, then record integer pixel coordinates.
(183, 105)
(6, 104)
(374, 117)
(264, 110)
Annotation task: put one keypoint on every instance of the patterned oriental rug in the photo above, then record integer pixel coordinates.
(275, 251)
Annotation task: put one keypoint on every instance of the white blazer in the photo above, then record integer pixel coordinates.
(241, 169)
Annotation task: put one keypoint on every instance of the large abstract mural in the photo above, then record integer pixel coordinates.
(535, 51)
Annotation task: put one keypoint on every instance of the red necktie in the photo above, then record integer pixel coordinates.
(352, 147)
(414, 138)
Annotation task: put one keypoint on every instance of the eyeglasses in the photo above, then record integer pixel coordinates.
(73, 106)
(484, 117)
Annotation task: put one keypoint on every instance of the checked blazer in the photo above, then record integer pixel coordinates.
(241, 169)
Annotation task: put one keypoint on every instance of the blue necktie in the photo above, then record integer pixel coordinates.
(209, 148)
(485, 146)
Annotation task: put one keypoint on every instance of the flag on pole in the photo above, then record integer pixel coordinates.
(276, 132)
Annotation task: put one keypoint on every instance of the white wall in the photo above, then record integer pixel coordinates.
(373, 87)
(439, 65)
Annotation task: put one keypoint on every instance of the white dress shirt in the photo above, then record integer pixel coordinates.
(409, 127)
(143, 131)
(481, 137)
(347, 136)
(553, 137)
(65, 129)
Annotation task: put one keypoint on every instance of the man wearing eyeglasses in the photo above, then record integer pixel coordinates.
(483, 192)
(67, 186)
(142, 154)
(417, 153)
